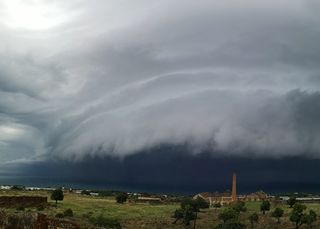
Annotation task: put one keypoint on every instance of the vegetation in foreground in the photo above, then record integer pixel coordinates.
(109, 212)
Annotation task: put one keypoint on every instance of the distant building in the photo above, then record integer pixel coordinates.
(229, 197)
(146, 200)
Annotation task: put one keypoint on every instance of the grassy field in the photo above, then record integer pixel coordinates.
(134, 216)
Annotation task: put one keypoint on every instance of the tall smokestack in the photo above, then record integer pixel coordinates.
(234, 187)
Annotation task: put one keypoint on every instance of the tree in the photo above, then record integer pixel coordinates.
(291, 201)
(228, 214)
(178, 215)
(121, 197)
(265, 206)
(201, 203)
(239, 206)
(185, 214)
(277, 213)
(297, 215)
(189, 215)
(57, 195)
(309, 218)
(253, 218)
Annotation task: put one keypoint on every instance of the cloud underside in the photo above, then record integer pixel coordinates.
(113, 79)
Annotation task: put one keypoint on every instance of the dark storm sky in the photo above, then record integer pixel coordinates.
(102, 84)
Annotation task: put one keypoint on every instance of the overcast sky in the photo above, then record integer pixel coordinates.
(114, 77)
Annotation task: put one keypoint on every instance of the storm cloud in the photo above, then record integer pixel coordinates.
(113, 78)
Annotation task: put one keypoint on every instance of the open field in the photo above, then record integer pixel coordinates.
(134, 216)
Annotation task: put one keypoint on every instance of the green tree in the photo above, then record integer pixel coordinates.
(189, 215)
(253, 218)
(228, 214)
(239, 206)
(277, 213)
(178, 215)
(297, 215)
(57, 195)
(291, 201)
(121, 197)
(201, 203)
(185, 214)
(310, 218)
(265, 206)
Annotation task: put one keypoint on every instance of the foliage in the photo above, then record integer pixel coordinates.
(188, 202)
(40, 208)
(59, 215)
(185, 213)
(20, 208)
(310, 218)
(178, 215)
(239, 206)
(291, 201)
(103, 221)
(228, 214)
(253, 218)
(121, 197)
(217, 205)
(57, 195)
(188, 210)
(201, 203)
(297, 215)
(265, 206)
(68, 213)
(85, 192)
(231, 224)
(18, 188)
(277, 213)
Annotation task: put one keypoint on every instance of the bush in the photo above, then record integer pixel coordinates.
(121, 197)
(291, 201)
(231, 224)
(68, 213)
(239, 206)
(40, 208)
(102, 221)
(217, 205)
(85, 192)
(228, 214)
(59, 215)
(201, 203)
(20, 208)
(265, 206)
(57, 195)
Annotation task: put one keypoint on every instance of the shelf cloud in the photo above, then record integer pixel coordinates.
(112, 78)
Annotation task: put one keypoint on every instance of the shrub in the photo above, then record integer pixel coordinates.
(20, 208)
(228, 214)
(231, 224)
(291, 201)
(253, 218)
(239, 206)
(217, 205)
(102, 221)
(40, 208)
(68, 213)
(277, 213)
(85, 192)
(121, 197)
(57, 195)
(59, 215)
(265, 206)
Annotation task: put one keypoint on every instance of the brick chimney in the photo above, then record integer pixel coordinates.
(234, 187)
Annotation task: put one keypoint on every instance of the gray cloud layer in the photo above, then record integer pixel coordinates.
(116, 77)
